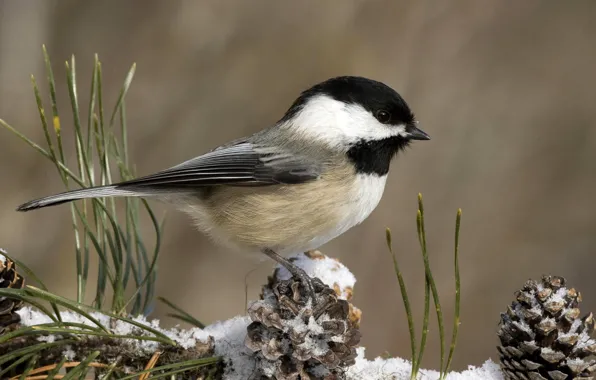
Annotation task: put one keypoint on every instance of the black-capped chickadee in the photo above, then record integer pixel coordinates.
(290, 188)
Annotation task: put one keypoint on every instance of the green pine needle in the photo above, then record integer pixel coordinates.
(14, 364)
(30, 366)
(127, 263)
(182, 315)
(81, 370)
(431, 282)
(456, 317)
(17, 354)
(121, 251)
(176, 367)
(406, 301)
(429, 288)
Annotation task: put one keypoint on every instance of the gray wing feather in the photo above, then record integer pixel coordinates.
(239, 164)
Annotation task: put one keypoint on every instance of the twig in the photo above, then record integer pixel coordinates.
(150, 365)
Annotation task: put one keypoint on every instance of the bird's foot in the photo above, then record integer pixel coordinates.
(318, 296)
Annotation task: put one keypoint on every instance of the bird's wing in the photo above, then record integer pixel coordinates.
(238, 164)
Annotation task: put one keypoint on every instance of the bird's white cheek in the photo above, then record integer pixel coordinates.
(360, 124)
(338, 124)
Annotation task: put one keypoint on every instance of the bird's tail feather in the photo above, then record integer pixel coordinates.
(92, 192)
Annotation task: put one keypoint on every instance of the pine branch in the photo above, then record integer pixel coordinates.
(125, 351)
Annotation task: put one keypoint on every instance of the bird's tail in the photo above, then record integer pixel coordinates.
(92, 192)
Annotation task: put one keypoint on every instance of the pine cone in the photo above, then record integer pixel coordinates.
(9, 278)
(542, 336)
(329, 270)
(294, 341)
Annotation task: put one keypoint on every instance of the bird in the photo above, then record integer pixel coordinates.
(308, 178)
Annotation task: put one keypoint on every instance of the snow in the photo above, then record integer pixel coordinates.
(557, 299)
(185, 338)
(584, 341)
(32, 317)
(229, 343)
(398, 369)
(523, 326)
(572, 329)
(69, 354)
(488, 371)
(229, 336)
(333, 273)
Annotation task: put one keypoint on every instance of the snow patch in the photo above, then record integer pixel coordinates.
(185, 338)
(229, 343)
(399, 369)
(330, 271)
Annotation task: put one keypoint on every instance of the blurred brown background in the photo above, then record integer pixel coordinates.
(506, 90)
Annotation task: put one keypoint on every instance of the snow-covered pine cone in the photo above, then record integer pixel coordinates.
(542, 335)
(329, 270)
(293, 340)
(9, 278)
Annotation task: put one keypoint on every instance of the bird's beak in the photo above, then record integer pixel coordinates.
(418, 134)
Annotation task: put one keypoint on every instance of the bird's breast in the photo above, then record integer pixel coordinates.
(289, 218)
(365, 195)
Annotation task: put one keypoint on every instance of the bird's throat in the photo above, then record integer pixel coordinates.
(374, 156)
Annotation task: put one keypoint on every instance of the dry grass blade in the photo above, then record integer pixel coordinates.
(49, 368)
(152, 362)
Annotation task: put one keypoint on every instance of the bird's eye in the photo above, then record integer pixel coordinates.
(383, 116)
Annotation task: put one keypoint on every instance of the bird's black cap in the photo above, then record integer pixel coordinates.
(372, 95)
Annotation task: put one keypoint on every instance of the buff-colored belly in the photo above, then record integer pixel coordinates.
(287, 218)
